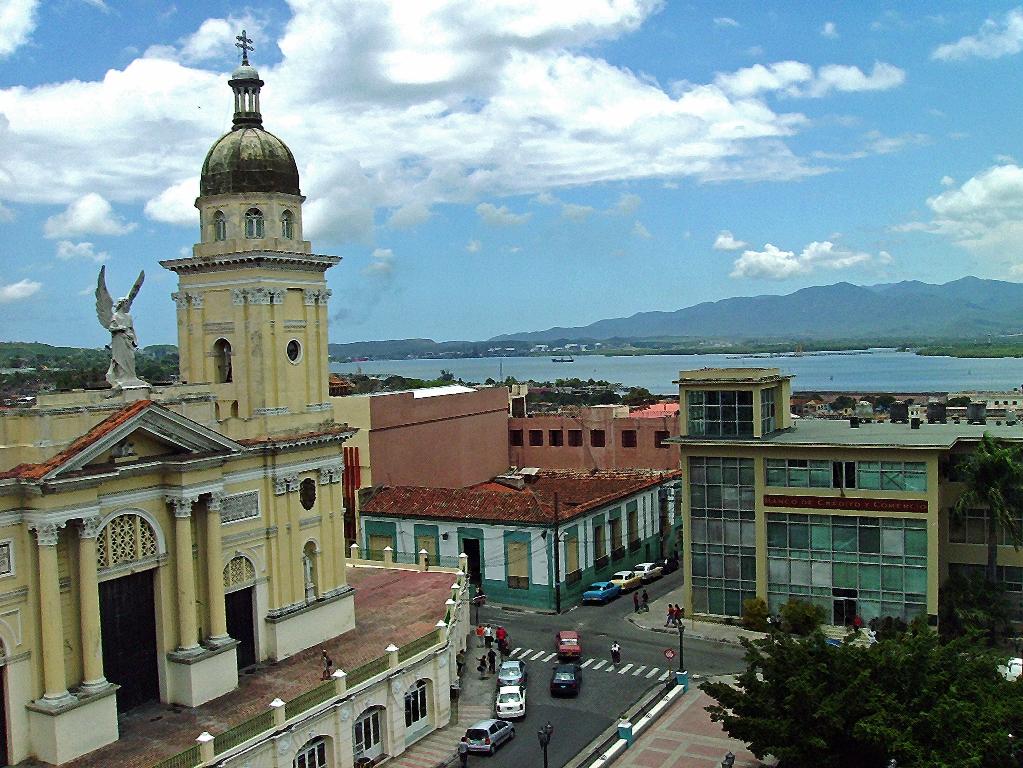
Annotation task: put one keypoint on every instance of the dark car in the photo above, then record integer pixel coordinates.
(566, 678)
(668, 565)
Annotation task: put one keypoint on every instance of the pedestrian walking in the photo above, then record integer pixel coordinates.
(646, 602)
(635, 602)
(501, 634)
(678, 615)
(488, 636)
(670, 618)
(463, 752)
(492, 660)
(460, 661)
(426, 562)
(328, 665)
(479, 632)
(616, 654)
(481, 667)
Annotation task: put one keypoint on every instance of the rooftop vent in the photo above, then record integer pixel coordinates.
(935, 412)
(854, 422)
(898, 413)
(914, 423)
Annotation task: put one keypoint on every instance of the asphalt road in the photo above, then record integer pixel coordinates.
(606, 692)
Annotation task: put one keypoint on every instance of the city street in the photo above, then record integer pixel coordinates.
(606, 691)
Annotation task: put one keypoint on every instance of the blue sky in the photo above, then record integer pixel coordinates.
(490, 167)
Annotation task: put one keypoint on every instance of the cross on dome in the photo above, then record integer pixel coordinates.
(245, 43)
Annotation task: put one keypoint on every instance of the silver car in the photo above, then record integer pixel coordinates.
(512, 673)
(487, 735)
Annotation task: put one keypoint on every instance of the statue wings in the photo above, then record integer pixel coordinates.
(105, 304)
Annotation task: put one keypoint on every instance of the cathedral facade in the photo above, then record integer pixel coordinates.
(154, 540)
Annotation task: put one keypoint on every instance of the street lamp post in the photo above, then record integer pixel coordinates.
(544, 735)
(681, 651)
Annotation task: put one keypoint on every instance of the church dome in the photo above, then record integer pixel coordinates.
(249, 159)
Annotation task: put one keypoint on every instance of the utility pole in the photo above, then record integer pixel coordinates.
(557, 559)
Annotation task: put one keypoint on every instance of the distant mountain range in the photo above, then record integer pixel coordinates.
(912, 310)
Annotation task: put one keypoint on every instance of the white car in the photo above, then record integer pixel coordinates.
(648, 571)
(1012, 670)
(511, 702)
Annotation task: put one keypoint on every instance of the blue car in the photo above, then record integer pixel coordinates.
(601, 592)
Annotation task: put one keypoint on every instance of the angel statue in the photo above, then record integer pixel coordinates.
(113, 315)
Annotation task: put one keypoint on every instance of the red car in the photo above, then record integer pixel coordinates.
(568, 645)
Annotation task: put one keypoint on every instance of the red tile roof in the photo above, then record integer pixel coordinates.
(655, 411)
(577, 492)
(111, 422)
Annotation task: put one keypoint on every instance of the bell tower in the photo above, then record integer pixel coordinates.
(252, 297)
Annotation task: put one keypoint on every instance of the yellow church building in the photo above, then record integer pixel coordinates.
(155, 539)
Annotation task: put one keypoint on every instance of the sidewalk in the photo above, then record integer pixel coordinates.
(475, 703)
(695, 629)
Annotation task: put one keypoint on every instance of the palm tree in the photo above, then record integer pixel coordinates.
(993, 476)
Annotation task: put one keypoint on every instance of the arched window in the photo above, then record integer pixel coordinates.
(222, 359)
(309, 553)
(127, 538)
(367, 736)
(253, 223)
(287, 225)
(312, 755)
(416, 712)
(307, 493)
(219, 226)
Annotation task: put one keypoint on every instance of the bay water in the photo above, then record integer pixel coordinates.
(881, 370)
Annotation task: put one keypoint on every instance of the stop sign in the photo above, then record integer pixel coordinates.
(669, 654)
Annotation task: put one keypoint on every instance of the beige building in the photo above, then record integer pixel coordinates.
(853, 517)
(154, 540)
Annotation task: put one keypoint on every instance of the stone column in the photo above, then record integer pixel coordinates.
(50, 620)
(187, 627)
(88, 606)
(215, 570)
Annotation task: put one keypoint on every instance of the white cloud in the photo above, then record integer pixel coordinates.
(6, 214)
(772, 263)
(409, 215)
(725, 21)
(382, 263)
(876, 143)
(495, 216)
(68, 251)
(90, 214)
(829, 30)
(546, 198)
(574, 212)
(638, 230)
(474, 246)
(994, 40)
(947, 181)
(725, 241)
(391, 106)
(628, 203)
(17, 22)
(984, 215)
(796, 79)
(19, 290)
(99, 5)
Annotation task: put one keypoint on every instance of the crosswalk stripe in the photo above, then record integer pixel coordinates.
(638, 670)
(599, 664)
(663, 677)
(610, 668)
(548, 657)
(537, 656)
(514, 652)
(651, 673)
(624, 669)
(587, 663)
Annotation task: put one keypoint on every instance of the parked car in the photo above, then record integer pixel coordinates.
(668, 565)
(566, 678)
(567, 644)
(601, 592)
(512, 673)
(648, 571)
(487, 735)
(627, 580)
(511, 701)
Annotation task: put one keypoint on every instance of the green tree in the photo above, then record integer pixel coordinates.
(638, 396)
(969, 604)
(993, 476)
(842, 402)
(915, 700)
(961, 400)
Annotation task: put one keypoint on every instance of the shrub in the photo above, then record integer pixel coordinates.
(800, 617)
(754, 614)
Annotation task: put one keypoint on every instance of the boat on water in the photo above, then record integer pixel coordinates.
(568, 359)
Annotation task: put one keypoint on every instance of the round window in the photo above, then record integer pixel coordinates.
(307, 493)
(294, 350)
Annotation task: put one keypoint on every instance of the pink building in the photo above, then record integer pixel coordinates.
(597, 437)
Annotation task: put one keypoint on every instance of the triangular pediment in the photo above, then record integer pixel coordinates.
(139, 432)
